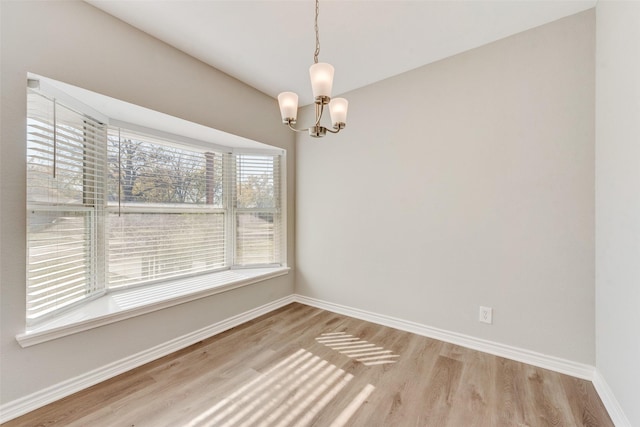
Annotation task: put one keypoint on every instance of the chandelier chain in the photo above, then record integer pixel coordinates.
(317, 51)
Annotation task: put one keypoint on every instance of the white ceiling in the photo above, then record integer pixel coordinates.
(269, 44)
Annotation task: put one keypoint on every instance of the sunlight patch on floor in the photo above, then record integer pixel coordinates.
(363, 351)
(291, 393)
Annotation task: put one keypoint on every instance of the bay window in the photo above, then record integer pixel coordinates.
(112, 207)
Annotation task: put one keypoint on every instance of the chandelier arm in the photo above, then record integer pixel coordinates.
(319, 107)
(294, 129)
(334, 131)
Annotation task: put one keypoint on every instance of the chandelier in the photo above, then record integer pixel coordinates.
(321, 82)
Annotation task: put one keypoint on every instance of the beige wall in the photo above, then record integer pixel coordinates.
(618, 201)
(463, 183)
(76, 43)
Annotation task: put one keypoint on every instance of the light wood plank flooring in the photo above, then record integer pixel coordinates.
(301, 366)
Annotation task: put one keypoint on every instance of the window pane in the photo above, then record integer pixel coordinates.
(144, 170)
(58, 260)
(256, 238)
(64, 158)
(256, 180)
(146, 247)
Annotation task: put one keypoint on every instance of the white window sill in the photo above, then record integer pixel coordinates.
(125, 304)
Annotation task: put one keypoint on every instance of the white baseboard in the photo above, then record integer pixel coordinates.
(51, 394)
(552, 363)
(609, 400)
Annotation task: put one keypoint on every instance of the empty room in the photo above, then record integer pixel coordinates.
(320, 213)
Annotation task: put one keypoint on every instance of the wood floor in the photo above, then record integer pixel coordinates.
(301, 366)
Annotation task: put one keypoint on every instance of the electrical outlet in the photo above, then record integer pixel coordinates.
(486, 315)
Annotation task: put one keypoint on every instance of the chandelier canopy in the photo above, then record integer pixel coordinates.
(321, 75)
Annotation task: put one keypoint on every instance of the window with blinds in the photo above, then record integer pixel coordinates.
(166, 210)
(65, 181)
(257, 216)
(110, 208)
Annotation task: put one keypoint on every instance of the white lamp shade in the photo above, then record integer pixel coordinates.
(321, 79)
(338, 110)
(288, 102)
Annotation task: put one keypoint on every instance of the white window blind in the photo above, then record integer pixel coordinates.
(167, 210)
(65, 178)
(258, 211)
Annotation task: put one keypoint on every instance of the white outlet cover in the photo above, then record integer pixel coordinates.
(486, 315)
